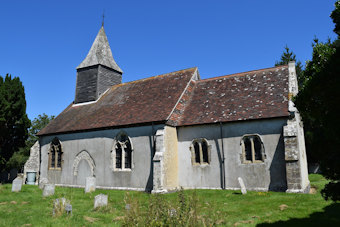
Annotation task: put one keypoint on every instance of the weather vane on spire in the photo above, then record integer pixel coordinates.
(103, 18)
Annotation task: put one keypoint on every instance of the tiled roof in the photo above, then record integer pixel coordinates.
(148, 100)
(178, 100)
(243, 96)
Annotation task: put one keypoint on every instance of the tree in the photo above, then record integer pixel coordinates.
(288, 56)
(19, 158)
(37, 124)
(13, 119)
(318, 102)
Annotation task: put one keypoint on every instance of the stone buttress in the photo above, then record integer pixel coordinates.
(294, 142)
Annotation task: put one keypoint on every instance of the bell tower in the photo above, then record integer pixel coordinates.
(97, 72)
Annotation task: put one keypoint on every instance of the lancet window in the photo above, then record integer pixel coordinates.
(55, 154)
(122, 153)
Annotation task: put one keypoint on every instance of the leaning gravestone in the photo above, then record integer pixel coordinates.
(48, 190)
(243, 187)
(100, 200)
(16, 184)
(42, 183)
(90, 184)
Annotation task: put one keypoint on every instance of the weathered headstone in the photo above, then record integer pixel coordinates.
(100, 200)
(17, 184)
(48, 190)
(243, 187)
(42, 183)
(60, 206)
(90, 184)
(68, 209)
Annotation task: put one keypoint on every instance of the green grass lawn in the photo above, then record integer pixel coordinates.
(214, 207)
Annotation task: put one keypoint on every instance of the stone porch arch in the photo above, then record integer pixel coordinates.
(87, 157)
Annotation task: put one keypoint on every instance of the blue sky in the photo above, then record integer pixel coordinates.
(43, 42)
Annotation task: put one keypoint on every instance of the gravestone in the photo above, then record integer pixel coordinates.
(90, 184)
(68, 209)
(100, 200)
(243, 187)
(48, 190)
(42, 183)
(16, 184)
(61, 205)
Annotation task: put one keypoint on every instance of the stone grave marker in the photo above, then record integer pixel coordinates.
(100, 200)
(243, 187)
(42, 183)
(90, 184)
(61, 205)
(68, 209)
(48, 190)
(17, 184)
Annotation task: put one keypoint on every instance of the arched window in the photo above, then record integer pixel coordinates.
(200, 152)
(122, 153)
(55, 154)
(252, 149)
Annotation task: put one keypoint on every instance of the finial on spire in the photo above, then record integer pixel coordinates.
(103, 18)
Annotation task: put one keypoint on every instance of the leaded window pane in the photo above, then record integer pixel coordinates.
(52, 157)
(258, 148)
(118, 156)
(59, 157)
(197, 152)
(128, 155)
(205, 152)
(247, 149)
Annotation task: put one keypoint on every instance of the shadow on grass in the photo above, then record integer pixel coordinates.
(329, 217)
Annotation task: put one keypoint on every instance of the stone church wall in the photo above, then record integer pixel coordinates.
(82, 149)
(267, 175)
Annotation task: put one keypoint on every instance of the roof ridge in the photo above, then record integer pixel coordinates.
(242, 73)
(152, 77)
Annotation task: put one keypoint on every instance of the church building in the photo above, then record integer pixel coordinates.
(176, 130)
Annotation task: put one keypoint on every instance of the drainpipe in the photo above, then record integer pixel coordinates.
(223, 158)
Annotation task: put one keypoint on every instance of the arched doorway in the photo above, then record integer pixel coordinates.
(84, 167)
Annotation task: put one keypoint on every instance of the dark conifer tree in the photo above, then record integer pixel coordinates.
(13, 119)
(288, 56)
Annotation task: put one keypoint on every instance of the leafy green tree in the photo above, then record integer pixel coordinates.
(37, 124)
(288, 56)
(19, 158)
(318, 102)
(13, 119)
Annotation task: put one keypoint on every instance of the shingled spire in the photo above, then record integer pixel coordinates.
(98, 71)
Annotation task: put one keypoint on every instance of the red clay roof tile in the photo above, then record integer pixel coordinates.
(177, 100)
(243, 96)
(147, 100)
